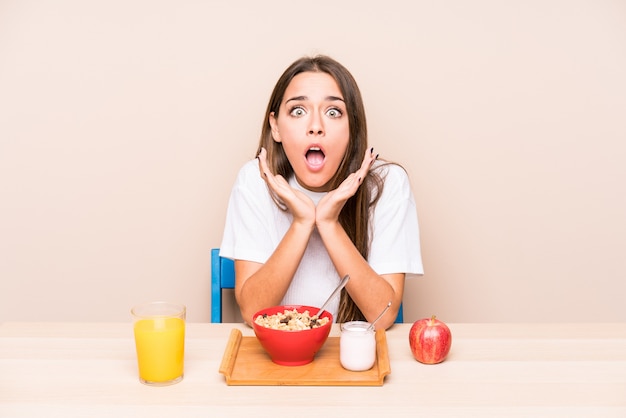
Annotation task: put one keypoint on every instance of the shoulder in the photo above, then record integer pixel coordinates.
(249, 192)
(395, 171)
(249, 184)
(249, 173)
(394, 176)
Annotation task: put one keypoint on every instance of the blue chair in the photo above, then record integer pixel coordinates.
(400, 317)
(223, 277)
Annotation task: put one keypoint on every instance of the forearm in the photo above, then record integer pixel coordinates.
(265, 285)
(371, 292)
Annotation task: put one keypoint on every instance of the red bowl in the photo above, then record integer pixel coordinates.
(292, 348)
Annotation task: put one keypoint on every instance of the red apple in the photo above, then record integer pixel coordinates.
(430, 340)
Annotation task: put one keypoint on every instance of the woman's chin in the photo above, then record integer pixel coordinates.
(314, 183)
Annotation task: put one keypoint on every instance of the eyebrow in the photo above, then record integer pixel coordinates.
(303, 98)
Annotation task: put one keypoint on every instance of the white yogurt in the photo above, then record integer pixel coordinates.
(357, 346)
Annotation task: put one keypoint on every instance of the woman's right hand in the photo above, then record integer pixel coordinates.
(330, 206)
(300, 205)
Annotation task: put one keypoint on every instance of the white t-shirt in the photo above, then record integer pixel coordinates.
(255, 226)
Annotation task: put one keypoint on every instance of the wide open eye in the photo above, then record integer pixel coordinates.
(334, 113)
(297, 111)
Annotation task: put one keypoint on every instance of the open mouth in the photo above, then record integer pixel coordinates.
(315, 156)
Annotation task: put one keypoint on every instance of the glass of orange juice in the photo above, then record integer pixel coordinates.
(160, 342)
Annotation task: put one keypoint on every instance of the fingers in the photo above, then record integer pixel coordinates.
(263, 168)
(300, 205)
(276, 182)
(266, 174)
(368, 161)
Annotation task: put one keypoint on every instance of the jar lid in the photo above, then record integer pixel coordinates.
(355, 326)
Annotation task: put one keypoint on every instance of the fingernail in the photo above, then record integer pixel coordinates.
(359, 179)
(372, 150)
(376, 156)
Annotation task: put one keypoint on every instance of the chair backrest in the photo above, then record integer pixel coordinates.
(223, 277)
(400, 317)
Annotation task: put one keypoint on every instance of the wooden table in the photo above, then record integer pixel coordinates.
(493, 370)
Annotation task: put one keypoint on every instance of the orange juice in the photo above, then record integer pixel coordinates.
(160, 346)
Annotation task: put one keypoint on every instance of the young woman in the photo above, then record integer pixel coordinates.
(317, 204)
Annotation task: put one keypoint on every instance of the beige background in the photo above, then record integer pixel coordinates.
(124, 122)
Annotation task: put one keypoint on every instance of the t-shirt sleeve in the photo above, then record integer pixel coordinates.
(248, 218)
(395, 246)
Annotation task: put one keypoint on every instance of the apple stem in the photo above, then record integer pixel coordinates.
(432, 319)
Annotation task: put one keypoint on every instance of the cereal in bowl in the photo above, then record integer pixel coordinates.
(290, 320)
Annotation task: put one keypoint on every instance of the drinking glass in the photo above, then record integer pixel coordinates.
(160, 342)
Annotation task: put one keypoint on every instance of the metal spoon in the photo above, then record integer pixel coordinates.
(371, 327)
(332, 295)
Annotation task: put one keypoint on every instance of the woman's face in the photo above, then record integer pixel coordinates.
(312, 126)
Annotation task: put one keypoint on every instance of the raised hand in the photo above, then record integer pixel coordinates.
(300, 205)
(330, 206)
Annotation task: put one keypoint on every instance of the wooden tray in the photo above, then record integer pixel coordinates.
(245, 363)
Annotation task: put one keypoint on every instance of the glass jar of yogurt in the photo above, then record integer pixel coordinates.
(357, 346)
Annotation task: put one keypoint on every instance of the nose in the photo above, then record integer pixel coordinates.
(316, 126)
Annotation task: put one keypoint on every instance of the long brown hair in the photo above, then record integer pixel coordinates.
(355, 215)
